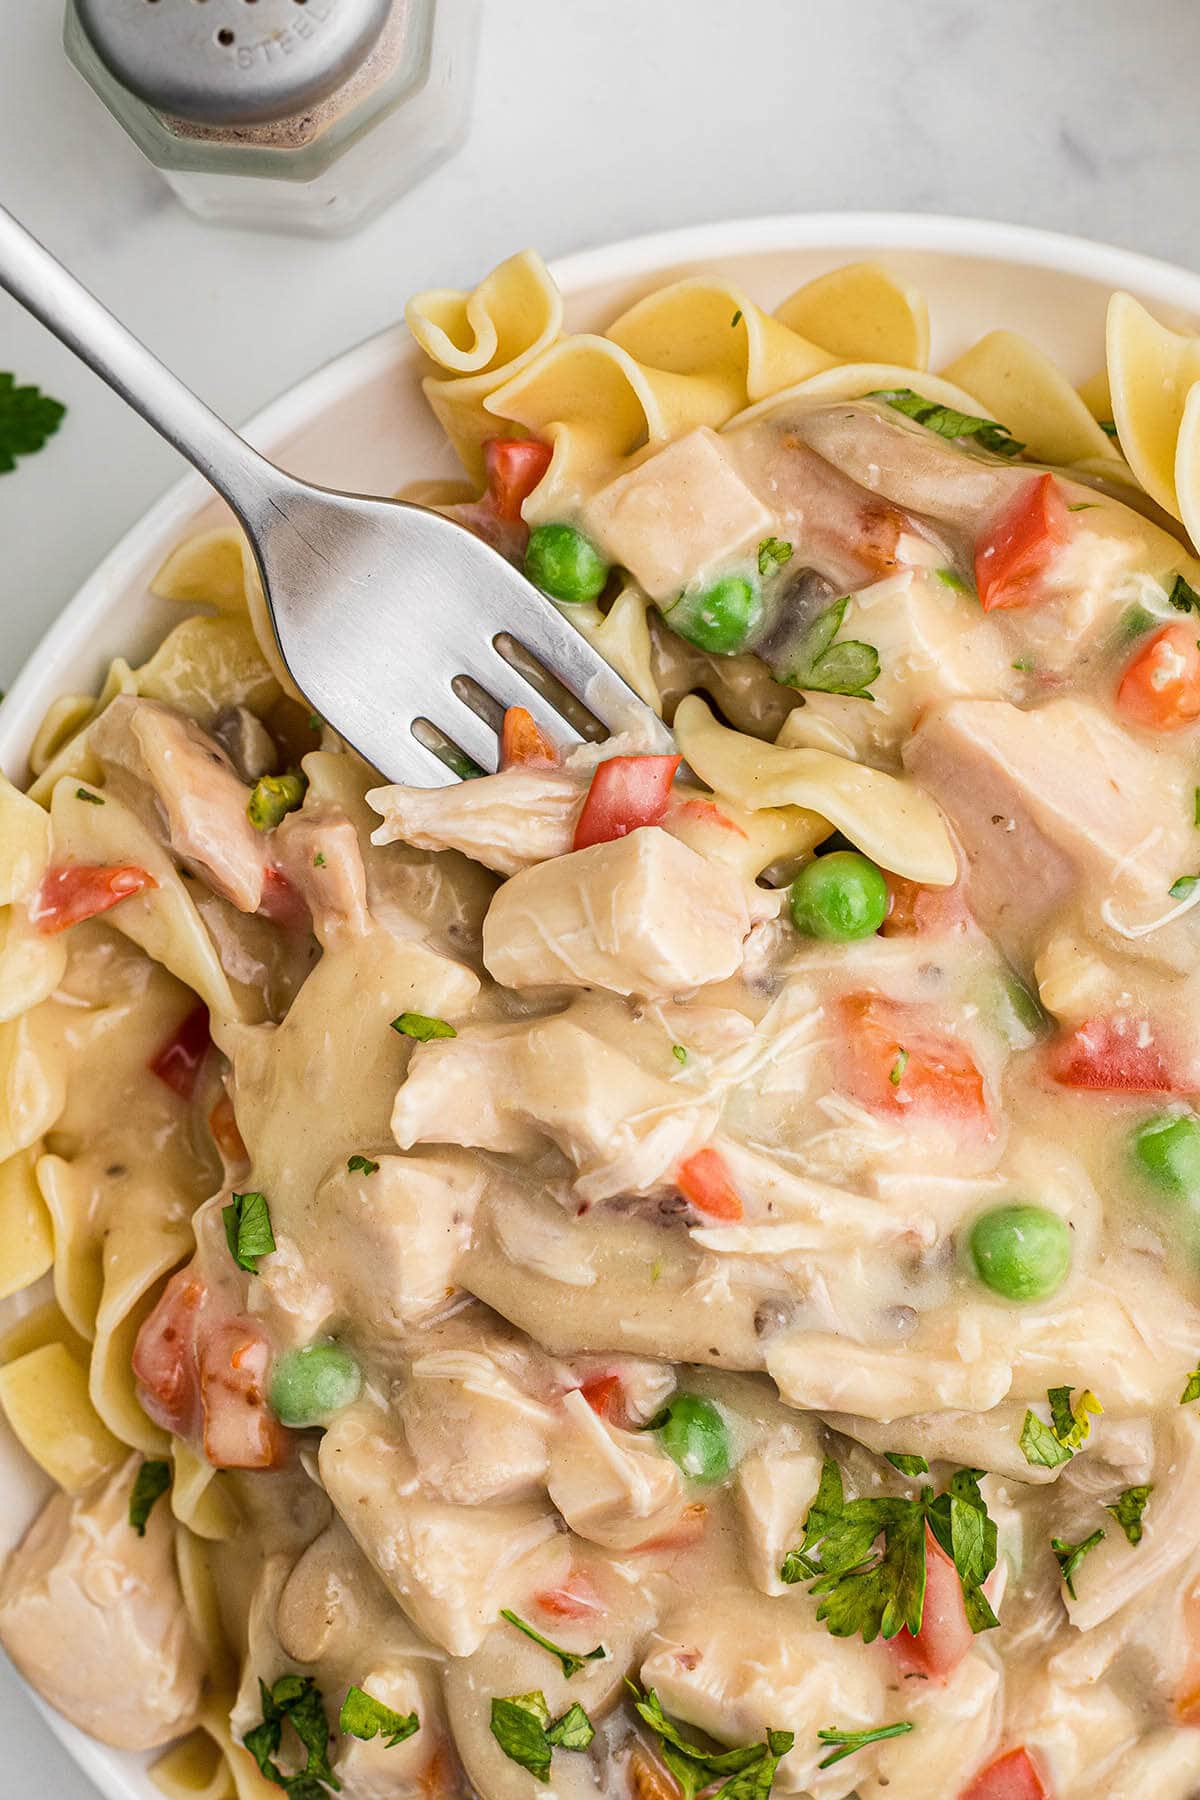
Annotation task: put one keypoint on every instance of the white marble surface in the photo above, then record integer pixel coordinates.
(594, 119)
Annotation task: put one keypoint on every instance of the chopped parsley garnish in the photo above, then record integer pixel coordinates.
(421, 1027)
(1107, 427)
(773, 552)
(1128, 1509)
(294, 1700)
(867, 1558)
(907, 1465)
(361, 1165)
(522, 1727)
(952, 579)
(1047, 1446)
(750, 1767)
(319, 860)
(1183, 596)
(680, 1054)
(248, 1230)
(1071, 1555)
(27, 418)
(736, 319)
(274, 796)
(571, 1660)
(1192, 1390)
(850, 1741)
(152, 1481)
(82, 793)
(1196, 807)
(461, 764)
(314, 722)
(1083, 506)
(364, 1717)
(823, 667)
(1183, 887)
(896, 1073)
(1023, 665)
(948, 423)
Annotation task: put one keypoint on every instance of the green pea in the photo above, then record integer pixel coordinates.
(839, 896)
(693, 1434)
(308, 1386)
(718, 618)
(1168, 1148)
(1022, 1252)
(565, 564)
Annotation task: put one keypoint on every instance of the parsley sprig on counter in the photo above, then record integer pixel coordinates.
(866, 1558)
(948, 422)
(822, 666)
(27, 418)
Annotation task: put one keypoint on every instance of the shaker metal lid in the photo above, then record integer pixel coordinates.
(232, 62)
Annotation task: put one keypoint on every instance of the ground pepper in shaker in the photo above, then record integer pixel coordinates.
(300, 115)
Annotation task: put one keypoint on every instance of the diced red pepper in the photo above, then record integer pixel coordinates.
(604, 1394)
(1112, 1056)
(523, 743)
(895, 1064)
(914, 910)
(627, 792)
(1012, 554)
(283, 903)
(240, 1430)
(179, 1060)
(222, 1122)
(1160, 689)
(1013, 1776)
(514, 468)
(577, 1598)
(945, 1635)
(77, 891)
(705, 1182)
(164, 1356)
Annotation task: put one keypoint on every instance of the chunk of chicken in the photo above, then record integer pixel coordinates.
(1074, 1730)
(817, 1371)
(737, 1665)
(370, 1770)
(510, 1087)
(154, 755)
(507, 821)
(954, 1722)
(474, 1434)
(1160, 1766)
(449, 1568)
(644, 915)
(775, 1486)
(247, 742)
(615, 1488)
(391, 1240)
(1043, 800)
(317, 849)
(677, 514)
(93, 1617)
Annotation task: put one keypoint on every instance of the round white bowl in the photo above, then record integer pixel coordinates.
(360, 423)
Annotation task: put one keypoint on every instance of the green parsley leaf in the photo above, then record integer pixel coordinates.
(680, 1054)
(274, 796)
(1039, 1445)
(773, 552)
(248, 1232)
(573, 1731)
(1196, 807)
(364, 1717)
(1072, 1425)
(896, 1073)
(851, 1741)
(82, 793)
(736, 319)
(27, 418)
(361, 1165)
(314, 722)
(1185, 886)
(152, 1481)
(1192, 1390)
(319, 860)
(948, 423)
(460, 763)
(1183, 596)
(1023, 665)
(571, 1661)
(1071, 1555)
(294, 1699)
(751, 1767)
(952, 579)
(822, 666)
(1127, 1509)
(1083, 506)
(521, 1733)
(907, 1465)
(961, 1524)
(421, 1027)
(1107, 427)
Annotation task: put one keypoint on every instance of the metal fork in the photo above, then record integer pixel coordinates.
(400, 627)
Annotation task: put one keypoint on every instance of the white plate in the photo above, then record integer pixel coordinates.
(360, 423)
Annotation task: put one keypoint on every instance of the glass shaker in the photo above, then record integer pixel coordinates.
(302, 115)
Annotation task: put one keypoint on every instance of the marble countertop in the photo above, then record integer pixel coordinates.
(593, 120)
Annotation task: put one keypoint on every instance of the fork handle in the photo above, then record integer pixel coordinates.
(48, 290)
